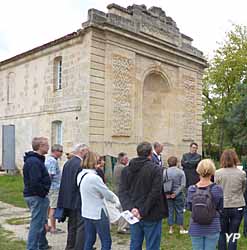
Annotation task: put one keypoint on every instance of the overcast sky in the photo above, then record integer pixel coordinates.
(25, 24)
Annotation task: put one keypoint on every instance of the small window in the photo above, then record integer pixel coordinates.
(58, 73)
(57, 132)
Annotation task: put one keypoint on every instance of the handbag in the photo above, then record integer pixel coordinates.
(113, 210)
(167, 183)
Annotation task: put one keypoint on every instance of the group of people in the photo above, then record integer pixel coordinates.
(79, 193)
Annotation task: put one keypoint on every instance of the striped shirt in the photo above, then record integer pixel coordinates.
(196, 229)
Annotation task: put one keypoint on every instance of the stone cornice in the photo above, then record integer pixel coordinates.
(156, 43)
(152, 23)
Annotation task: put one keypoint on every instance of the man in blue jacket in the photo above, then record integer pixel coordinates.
(36, 187)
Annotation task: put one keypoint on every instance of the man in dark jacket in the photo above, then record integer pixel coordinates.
(156, 156)
(36, 187)
(141, 193)
(69, 198)
(189, 163)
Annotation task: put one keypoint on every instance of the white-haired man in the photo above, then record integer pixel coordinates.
(69, 198)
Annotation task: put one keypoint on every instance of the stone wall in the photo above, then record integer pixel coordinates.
(135, 43)
(35, 104)
(128, 75)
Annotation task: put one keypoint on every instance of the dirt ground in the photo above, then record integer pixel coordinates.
(57, 241)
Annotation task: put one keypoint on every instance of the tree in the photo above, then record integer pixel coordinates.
(226, 71)
(237, 121)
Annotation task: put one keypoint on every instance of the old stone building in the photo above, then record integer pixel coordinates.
(126, 76)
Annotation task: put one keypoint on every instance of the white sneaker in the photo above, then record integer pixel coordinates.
(183, 232)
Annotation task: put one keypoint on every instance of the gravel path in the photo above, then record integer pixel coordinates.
(57, 241)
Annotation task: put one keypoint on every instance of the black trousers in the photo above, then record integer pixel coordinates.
(75, 238)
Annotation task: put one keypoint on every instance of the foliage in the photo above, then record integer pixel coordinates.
(237, 121)
(227, 70)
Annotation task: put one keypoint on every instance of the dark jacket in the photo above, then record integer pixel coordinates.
(37, 181)
(189, 162)
(141, 187)
(69, 195)
(156, 160)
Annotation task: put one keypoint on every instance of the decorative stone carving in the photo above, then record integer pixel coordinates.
(121, 95)
(189, 103)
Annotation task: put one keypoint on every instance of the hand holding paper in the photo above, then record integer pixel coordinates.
(129, 217)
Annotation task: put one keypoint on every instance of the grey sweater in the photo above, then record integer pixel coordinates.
(178, 177)
(233, 182)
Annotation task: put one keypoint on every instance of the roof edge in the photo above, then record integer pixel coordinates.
(42, 47)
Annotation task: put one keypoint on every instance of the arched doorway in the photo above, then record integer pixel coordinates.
(156, 116)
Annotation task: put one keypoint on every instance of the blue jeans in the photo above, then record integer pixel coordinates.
(151, 231)
(102, 227)
(37, 234)
(230, 220)
(208, 242)
(176, 207)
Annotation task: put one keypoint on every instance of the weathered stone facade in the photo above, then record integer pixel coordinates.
(128, 75)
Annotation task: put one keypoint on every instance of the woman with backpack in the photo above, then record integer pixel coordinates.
(93, 209)
(205, 200)
(233, 182)
(175, 198)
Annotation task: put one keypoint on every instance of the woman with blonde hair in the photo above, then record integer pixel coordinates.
(233, 182)
(205, 200)
(93, 192)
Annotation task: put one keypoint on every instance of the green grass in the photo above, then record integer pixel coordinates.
(11, 188)
(174, 241)
(8, 243)
(18, 221)
(183, 242)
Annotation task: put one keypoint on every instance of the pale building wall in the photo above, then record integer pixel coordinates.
(36, 105)
(126, 61)
(128, 76)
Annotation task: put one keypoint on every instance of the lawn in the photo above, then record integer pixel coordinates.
(8, 243)
(11, 192)
(182, 242)
(11, 188)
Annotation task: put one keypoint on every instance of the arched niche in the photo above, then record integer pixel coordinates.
(155, 107)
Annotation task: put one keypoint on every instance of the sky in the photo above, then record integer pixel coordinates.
(25, 24)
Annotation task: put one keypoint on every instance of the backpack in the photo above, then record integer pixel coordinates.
(203, 207)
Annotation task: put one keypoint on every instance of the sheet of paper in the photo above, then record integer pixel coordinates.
(129, 217)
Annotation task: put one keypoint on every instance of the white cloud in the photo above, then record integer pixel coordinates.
(29, 23)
